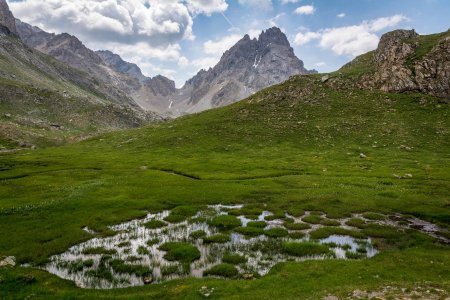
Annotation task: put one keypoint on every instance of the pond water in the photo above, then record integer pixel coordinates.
(102, 262)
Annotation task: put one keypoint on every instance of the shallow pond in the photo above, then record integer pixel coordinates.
(133, 257)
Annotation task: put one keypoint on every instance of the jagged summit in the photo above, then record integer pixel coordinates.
(7, 20)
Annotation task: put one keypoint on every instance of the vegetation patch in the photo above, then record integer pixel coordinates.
(217, 238)
(233, 259)
(374, 216)
(153, 224)
(198, 234)
(328, 222)
(276, 232)
(296, 226)
(296, 235)
(225, 222)
(121, 267)
(222, 270)
(381, 231)
(356, 222)
(183, 252)
(249, 231)
(325, 232)
(312, 219)
(152, 242)
(174, 218)
(258, 224)
(305, 249)
(99, 250)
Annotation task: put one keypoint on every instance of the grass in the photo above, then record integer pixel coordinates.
(305, 249)
(313, 219)
(328, 222)
(276, 232)
(222, 270)
(217, 238)
(234, 259)
(225, 222)
(270, 149)
(257, 224)
(296, 226)
(356, 222)
(153, 224)
(121, 267)
(374, 216)
(152, 242)
(325, 232)
(141, 250)
(296, 235)
(182, 252)
(250, 231)
(198, 234)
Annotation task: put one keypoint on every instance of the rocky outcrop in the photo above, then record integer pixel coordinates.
(7, 19)
(115, 62)
(405, 61)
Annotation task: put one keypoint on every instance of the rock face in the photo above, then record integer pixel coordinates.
(249, 66)
(6, 18)
(405, 61)
(116, 63)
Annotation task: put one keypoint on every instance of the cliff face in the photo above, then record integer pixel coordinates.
(7, 19)
(406, 61)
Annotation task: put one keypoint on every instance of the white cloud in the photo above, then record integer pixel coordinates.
(289, 1)
(218, 47)
(274, 21)
(305, 10)
(341, 15)
(350, 40)
(207, 6)
(302, 38)
(320, 64)
(205, 62)
(257, 4)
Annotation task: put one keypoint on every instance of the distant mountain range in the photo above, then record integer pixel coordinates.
(249, 66)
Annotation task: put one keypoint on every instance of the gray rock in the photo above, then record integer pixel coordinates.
(9, 261)
(7, 19)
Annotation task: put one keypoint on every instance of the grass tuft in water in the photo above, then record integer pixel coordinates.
(222, 270)
(183, 252)
(305, 249)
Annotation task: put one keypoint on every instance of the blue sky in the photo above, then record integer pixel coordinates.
(178, 37)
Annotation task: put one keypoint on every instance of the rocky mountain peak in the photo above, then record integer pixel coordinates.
(7, 19)
(273, 35)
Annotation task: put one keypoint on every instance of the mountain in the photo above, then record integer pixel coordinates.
(249, 66)
(46, 102)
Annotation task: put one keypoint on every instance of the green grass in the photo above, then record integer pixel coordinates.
(356, 222)
(234, 259)
(217, 238)
(121, 267)
(152, 242)
(296, 235)
(198, 234)
(178, 251)
(258, 224)
(99, 250)
(325, 232)
(313, 219)
(222, 270)
(225, 222)
(276, 232)
(270, 149)
(374, 216)
(328, 222)
(305, 249)
(297, 226)
(153, 224)
(249, 231)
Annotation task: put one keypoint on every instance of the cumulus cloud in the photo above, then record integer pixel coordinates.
(341, 15)
(289, 1)
(305, 10)
(259, 4)
(207, 6)
(350, 40)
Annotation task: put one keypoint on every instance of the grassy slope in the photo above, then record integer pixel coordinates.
(295, 145)
(281, 147)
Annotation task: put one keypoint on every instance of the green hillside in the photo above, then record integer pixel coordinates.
(301, 145)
